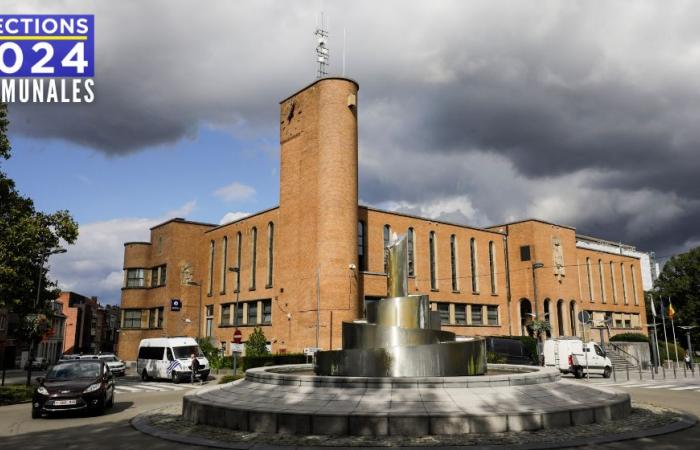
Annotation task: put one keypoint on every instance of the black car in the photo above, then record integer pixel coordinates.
(74, 386)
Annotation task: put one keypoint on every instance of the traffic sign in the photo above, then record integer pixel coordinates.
(237, 336)
(237, 348)
(175, 304)
(584, 317)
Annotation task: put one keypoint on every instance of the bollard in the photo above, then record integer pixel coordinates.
(663, 370)
(614, 374)
(640, 372)
(627, 368)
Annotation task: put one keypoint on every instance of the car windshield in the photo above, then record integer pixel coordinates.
(186, 351)
(73, 370)
(109, 358)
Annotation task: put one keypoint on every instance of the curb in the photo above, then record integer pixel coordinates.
(139, 423)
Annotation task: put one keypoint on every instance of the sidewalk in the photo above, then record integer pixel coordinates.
(19, 376)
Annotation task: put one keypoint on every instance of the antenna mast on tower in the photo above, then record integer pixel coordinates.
(322, 53)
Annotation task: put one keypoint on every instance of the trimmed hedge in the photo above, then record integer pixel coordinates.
(251, 362)
(630, 337)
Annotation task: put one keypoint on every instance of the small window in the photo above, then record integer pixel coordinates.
(444, 310)
(361, 247)
(267, 311)
(492, 311)
(477, 315)
(252, 313)
(525, 253)
(460, 314)
(154, 277)
(387, 240)
(132, 318)
(433, 268)
(254, 257)
(135, 278)
(239, 315)
(159, 323)
(226, 314)
(411, 253)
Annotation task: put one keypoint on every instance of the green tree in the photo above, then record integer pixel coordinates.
(680, 281)
(27, 236)
(256, 344)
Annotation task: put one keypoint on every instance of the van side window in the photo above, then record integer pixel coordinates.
(170, 355)
(143, 353)
(599, 351)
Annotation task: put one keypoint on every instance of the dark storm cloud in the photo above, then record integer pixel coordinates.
(583, 113)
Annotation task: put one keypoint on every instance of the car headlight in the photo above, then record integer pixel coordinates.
(92, 388)
(42, 390)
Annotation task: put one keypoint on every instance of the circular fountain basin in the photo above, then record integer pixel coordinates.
(286, 399)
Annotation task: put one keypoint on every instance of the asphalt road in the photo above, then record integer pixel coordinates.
(112, 430)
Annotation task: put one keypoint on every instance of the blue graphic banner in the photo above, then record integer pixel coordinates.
(47, 46)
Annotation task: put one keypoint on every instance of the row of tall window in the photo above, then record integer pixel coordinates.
(432, 256)
(141, 278)
(601, 280)
(143, 318)
(253, 260)
(469, 314)
(248, 313)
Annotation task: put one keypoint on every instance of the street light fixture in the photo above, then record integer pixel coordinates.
(199, 313)
(237, 271)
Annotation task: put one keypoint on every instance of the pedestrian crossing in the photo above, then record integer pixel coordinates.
(653, 385)
(128, 388)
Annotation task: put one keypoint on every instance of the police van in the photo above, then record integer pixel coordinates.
(170, 358)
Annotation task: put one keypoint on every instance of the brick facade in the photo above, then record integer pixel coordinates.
(306, 254)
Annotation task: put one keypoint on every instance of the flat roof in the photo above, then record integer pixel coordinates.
(242, 219)
(371, 208)
(318, 81)
(533, 220)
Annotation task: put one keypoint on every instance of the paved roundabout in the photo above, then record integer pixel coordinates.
(286, 400)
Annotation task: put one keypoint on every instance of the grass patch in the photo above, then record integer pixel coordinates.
(15, 393)
(229, 378)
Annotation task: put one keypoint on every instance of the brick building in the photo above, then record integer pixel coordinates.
(90, 327)
(318, 258)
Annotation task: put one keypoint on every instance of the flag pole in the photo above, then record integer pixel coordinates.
(656, 332)
(663, 321)
(673, 330)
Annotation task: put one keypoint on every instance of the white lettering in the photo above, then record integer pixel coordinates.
(52, 95)
(8, 90)
(24, 90)
(8, 26)
(83, 25)
(38, 90)
(89, 94)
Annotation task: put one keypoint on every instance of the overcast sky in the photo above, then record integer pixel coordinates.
(584, 113)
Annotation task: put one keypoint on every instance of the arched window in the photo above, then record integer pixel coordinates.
(411, 253)
(560, 317)
(224, 262)
(590, 280)
(361, 250)
(634, 285)
(602, 282)
(613, 282)
(492, 266)
(387, 240)
(474, 269)
(253, 256)
(210, 283)
(433, 267)
(572, 317)
(453, 262)
(548, 315)
(624, 284)
(270, 252)
(239, 243)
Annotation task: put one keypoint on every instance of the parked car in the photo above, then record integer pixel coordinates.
(116, 365)
(73, 386)
(38, 362)
(572, 355)
(170, 358)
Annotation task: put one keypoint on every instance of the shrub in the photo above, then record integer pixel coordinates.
(256, 344)
(529, 342)
(495, 358)
(250, 362)
(212, 352)
(630, 337)
(671, 352)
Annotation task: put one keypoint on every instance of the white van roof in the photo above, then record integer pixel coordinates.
(168, 342)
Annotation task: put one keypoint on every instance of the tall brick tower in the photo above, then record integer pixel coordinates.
(318, 212)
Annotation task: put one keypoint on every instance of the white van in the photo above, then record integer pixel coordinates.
(169, 358)
(571, 355)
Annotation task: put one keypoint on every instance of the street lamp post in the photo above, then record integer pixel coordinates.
(237, 271)
(687, 329)
(42, 261)
(199, 314)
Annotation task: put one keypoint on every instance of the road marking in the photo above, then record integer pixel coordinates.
(148, 388)
(125, 388)
(170, 387)
(684, 388)
(659, 387)
(635, 385)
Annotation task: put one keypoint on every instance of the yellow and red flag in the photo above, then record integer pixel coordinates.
(671, 311)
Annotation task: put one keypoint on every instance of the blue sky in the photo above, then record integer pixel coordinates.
(97, 187)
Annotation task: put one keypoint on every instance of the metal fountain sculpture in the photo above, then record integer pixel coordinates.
(401, 336)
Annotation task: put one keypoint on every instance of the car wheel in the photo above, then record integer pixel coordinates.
(606, 372)
(35, 413)
(175, 377)
(110, 403)
(144, 375)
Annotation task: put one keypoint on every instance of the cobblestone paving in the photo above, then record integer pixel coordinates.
(643, 417)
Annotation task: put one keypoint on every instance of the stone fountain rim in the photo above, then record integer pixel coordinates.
(521, 375)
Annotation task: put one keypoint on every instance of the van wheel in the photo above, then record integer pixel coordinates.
(606, 372)
(144, 375)
(578, 372)
(176, 378)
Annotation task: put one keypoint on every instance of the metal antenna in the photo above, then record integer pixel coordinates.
(322, 53)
